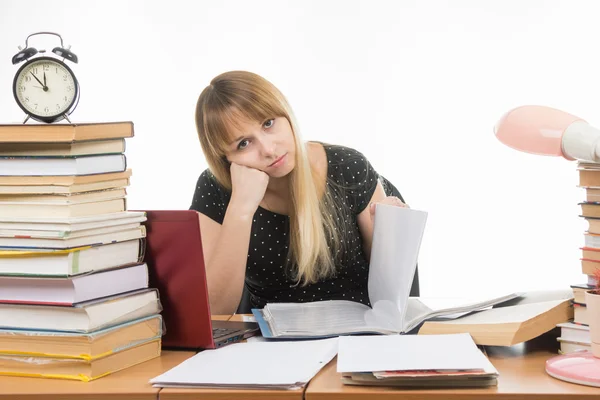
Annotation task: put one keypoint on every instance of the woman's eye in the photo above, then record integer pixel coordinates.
(269, 123)
(242, 144)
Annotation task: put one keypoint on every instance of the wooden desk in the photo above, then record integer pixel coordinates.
(227, 394)
(522, 376)
(129, 384)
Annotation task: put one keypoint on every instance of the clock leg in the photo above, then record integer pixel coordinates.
(26, 119)
(67, 118)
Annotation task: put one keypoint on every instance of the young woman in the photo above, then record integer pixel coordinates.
(293, 221)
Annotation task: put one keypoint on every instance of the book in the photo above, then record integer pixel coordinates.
(592, 194)
(117, 235)
(591, 240)
(589, 178)
(58, 166)
(593, 224)
(588, 267)
(68, 262)
(512, 322)
(580, 315)
(64, 198)
(567, 346)
(574, 332)
(80, 346)
(42, 211)
(80, 370)
(590, 253)
(26, 235)
(74, 289)
(579, 292)
(21, 133)
(75, 148)
(588, 165)
(81, 317)
(414, 361)
(69, 227)
(396, 241)
(63, 184)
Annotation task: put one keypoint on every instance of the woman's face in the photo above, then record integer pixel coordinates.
(268, 146)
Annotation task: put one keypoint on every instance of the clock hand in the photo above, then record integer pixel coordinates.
(45, 78)
(40, 82)
(36, 78)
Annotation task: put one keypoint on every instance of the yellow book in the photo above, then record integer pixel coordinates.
(80, 346)
(76, 369)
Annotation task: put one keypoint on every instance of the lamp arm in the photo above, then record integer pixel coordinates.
(581, 141)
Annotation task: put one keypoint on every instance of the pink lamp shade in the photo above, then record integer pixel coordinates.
(535, 129)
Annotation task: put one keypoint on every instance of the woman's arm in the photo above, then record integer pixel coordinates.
(367, 216)
(225, 250)
(365, 220)
(225, 245)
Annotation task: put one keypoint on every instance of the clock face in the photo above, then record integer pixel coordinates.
(46, 89)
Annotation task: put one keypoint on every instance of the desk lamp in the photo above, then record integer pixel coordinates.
(547, 131)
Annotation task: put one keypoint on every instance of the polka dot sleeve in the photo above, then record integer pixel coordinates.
(357, 176)
(210, 198)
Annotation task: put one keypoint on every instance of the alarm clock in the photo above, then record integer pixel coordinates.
(45, 88)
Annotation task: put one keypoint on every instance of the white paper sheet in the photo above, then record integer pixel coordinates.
(409, 352)
(397, 239)
(275, 365)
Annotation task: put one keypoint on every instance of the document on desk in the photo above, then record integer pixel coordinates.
(255, 365)
(410, 361)
(409, 353)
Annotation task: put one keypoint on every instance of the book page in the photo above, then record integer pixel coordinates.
(397, 239)
(506, 315)
(447, 307)
(320, 318)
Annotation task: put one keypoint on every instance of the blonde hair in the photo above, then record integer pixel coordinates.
(314, 235)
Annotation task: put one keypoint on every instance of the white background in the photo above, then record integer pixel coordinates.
(417, 86)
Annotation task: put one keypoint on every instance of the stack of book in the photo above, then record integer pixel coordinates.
(74, 295)
(575, 335)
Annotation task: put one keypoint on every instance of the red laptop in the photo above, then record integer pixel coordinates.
(176, 267)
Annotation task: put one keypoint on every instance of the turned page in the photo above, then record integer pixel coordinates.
(397, 239)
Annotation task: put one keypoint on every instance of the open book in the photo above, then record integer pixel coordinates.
(396, 242)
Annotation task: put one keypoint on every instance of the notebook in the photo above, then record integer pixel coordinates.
(176, 268)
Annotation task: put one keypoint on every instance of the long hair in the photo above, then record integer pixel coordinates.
(314, 235)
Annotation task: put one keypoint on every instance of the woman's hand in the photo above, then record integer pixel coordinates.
(390, 200)
(248, 188)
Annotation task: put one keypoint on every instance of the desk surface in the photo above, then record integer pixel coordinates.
(521, 369)
(130, 384)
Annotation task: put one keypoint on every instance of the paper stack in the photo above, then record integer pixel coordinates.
(414, 361)
(252, 365)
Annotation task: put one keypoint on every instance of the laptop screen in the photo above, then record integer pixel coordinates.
(176, 267)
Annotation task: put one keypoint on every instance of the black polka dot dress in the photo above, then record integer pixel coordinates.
(352, 179)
